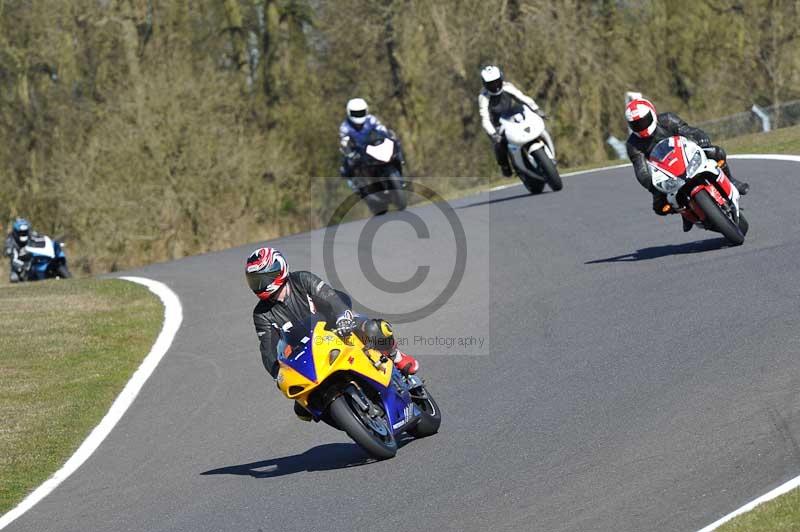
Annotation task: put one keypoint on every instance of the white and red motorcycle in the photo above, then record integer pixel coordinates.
(532, 156)
(697, 188)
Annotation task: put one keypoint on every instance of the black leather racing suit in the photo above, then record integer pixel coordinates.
(668, 125)
(307, 295)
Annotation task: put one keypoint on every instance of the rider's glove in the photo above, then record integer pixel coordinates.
(660, 205)
(345, 325)
(497, 138)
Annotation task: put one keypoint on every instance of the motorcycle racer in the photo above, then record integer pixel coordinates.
(288, 297)
(354, 132)
(496, 97)
(648, 128)
(16, 240)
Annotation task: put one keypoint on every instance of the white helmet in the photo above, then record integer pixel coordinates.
(492, 78)
(357, 111)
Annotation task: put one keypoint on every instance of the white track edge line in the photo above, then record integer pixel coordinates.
(568, 174)
(795, 482)
(173, 316)
(780, 490)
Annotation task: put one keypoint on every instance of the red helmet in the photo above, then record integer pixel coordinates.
(266, 271)
(641, 116)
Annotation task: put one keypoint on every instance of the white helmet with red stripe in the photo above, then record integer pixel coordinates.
(641, 117)
(266, 271)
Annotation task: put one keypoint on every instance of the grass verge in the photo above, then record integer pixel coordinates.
(776, 515)
(785, 141)
(67, 348)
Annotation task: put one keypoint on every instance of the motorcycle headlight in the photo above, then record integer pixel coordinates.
(333, 355)
(694, 163)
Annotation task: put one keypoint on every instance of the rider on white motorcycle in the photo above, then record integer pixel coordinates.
(496, 97)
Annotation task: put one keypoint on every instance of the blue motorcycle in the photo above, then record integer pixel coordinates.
(43, 258)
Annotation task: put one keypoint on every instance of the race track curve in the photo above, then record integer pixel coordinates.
(632, 378)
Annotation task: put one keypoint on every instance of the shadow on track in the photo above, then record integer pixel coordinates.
(656, 252)
(500, 200)
(320, 458)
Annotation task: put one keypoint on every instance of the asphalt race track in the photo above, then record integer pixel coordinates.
(632, 378)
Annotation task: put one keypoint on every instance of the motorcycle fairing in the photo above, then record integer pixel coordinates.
(44, 253)
(672, 162)
(304, 369)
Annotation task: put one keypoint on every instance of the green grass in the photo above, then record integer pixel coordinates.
(67, 348)
(785, 140)
(781, 514)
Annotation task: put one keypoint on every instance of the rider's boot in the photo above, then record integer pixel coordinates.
(687, 225)
(301, 412)
(506, 169)
(741, 186)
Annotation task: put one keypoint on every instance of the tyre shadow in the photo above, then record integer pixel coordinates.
(656, 252)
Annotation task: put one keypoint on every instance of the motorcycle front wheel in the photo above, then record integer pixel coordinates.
(718, 220)
(548, 169)
(398, 193)
(377, 441)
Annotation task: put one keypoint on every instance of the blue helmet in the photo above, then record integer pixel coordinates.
(21, 230)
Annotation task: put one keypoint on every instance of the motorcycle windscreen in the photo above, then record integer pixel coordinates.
(661, 150)
(381, 152)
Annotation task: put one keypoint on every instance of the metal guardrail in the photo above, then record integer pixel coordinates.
(756, 120)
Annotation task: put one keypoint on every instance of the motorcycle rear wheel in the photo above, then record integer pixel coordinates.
(548, 170)
(343, 412)
(718, 220)
(63, 272)
(431, 416)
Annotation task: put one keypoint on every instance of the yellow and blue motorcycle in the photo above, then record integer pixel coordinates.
(353, 388)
